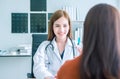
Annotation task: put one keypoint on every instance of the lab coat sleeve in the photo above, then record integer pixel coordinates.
(39, 69)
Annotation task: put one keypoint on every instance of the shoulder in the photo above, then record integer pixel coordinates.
(71, 42)
(70, 65)
(44, 44)
(41, 48)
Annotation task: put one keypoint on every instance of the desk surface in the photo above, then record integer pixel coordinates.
(15, 55)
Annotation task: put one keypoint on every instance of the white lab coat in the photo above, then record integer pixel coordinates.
(47, 62)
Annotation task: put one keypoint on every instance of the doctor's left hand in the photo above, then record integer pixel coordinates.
(79, 49)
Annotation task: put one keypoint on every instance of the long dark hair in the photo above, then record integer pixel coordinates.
(100, 44)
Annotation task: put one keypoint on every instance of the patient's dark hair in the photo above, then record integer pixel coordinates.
(101, 43)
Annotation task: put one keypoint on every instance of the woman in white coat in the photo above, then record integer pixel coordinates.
(59, 47)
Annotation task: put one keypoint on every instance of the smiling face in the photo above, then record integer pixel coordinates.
(59, 18)
(61, 28)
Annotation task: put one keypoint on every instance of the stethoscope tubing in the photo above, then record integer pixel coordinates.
(50, 44)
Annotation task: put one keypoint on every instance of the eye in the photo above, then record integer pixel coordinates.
(64, 25)
(57, 25)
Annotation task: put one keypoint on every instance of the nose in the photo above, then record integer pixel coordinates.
(61, 29)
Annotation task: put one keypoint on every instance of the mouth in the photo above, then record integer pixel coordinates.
(61, 33)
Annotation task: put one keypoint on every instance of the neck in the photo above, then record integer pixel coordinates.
(61, 44)
(61, 40)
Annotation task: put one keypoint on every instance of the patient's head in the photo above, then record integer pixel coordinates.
(101, 42)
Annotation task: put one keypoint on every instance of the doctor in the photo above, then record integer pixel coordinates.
(59, 47)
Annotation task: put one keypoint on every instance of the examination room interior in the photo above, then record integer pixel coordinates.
(16, 29)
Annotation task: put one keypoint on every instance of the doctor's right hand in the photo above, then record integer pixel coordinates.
(49, 77)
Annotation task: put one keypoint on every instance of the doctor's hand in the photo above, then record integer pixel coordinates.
(49, 77)
(79, 49)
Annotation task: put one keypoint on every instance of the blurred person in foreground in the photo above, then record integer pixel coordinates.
(101, 47)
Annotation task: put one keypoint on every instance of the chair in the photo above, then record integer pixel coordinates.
(36, 40)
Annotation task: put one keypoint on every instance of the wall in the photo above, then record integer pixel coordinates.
(15, 67)
(9, 40)
(83, 5)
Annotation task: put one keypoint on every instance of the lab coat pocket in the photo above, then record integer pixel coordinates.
(48, 62)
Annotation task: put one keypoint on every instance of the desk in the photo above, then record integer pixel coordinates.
(15, 54)
(18, 55)
(15, 66)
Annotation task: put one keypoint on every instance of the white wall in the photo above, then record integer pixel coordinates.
(9, 40)
(83, 5)
(16, 68)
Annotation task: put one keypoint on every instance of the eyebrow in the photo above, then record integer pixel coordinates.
(56, 24)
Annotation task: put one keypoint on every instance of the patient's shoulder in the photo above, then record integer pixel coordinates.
(70, 70)
(73, 62)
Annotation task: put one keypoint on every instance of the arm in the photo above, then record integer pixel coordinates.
(40, 70)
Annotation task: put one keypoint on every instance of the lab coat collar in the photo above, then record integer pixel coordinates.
(68, 43)
(56, 50)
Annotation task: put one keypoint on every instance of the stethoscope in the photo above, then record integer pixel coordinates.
(52, 47)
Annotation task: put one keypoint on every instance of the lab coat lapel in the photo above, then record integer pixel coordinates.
(68, 51)
(56, 51)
